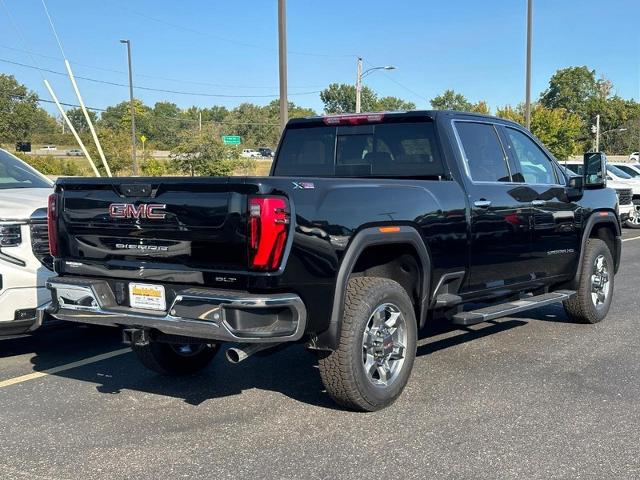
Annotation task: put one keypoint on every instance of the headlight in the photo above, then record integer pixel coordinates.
(10, 235)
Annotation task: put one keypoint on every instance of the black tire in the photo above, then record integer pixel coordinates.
(343, 370)
(167, 359)
(581, 307)
(635, 222)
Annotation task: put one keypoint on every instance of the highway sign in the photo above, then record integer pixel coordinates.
(231, 139)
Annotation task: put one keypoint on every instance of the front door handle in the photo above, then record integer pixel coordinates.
(538, 203)
(482, 203)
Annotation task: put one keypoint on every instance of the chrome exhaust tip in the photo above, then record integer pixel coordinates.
(244, 351)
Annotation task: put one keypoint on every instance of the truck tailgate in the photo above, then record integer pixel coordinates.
(168, 224)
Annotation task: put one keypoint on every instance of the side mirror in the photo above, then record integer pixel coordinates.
(575, 187)
(595, 170)
(576, 182)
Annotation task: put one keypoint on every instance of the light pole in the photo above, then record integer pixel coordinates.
(527, 101)
(134, 159)
(619, 129)
(282, 55)
(360, 75)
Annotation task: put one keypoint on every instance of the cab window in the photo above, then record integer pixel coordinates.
(483, 152)
(535, 165)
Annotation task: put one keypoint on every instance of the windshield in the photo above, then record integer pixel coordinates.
(405, 149)
(617, 172)
(14, 173)
(629, 170)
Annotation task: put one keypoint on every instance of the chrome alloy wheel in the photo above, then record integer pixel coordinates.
(634, 218)
(600, 281)
(384, 345)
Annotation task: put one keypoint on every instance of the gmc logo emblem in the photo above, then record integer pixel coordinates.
(151, 211)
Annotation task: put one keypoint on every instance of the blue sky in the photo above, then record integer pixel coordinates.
(230, 48)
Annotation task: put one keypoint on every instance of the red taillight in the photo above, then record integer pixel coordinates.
(352, 119)
(52, 215)
(268, 226)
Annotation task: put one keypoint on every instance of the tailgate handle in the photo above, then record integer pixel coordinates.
(136, 190)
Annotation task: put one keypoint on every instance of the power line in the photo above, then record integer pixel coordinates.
(151, 89)
(44, 100)
(217, 122)
(230, 40)
(21, 38)
(142, 75)
(389, 77)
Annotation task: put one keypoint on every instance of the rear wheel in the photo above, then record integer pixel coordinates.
(595, 291)
(176, 359)
(373, 361)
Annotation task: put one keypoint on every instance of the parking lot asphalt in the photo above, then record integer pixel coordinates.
(530, 396)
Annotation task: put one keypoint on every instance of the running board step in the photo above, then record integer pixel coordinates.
(502, 310)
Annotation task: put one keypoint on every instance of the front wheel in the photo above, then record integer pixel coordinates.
(374, 358)
(591, 302)
(175, 359)
(634, 220)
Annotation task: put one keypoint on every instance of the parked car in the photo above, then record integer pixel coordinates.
(25, 263)
(628, 193)
(265, 152)
(249, 153)
(371, 226)
(75, 152)
(632, 169)
(49, 147)
(634, 157)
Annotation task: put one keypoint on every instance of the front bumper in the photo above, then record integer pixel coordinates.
(221, 315)
(18, 309)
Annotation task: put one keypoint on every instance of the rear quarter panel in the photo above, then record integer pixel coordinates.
(330, 211)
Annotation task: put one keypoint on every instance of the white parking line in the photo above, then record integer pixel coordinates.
(62, 368)
(629, 239)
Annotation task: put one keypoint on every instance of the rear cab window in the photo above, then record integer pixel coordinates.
(378, 149)
(484, 156)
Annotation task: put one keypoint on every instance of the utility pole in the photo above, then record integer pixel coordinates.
(598, 133)
(282, 55)
(134, 159)
(200, 120)
(527, 102)
(358, 84)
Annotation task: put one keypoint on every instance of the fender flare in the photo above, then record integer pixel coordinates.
(368, 237)
(597, 218)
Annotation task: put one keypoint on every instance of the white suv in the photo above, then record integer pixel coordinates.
(250, 153)
(25, 262)
(625, 187)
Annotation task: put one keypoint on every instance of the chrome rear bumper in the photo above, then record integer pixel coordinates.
(222, 315)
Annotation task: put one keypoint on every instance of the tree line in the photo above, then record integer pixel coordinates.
(562, 117)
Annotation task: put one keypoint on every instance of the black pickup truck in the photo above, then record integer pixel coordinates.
(368, 227)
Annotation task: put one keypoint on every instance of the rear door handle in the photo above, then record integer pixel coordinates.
(538, 202)
(482, 203)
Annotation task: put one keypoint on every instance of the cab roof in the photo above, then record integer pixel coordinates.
(397, 116)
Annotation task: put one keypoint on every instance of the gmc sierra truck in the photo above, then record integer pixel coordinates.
(368, 227)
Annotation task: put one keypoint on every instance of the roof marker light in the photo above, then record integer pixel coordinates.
(352, 119)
